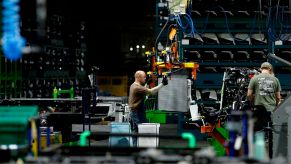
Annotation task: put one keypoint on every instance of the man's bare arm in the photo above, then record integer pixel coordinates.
(278, 98)
(250, 95)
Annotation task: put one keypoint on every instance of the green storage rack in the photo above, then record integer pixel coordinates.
(14, 124)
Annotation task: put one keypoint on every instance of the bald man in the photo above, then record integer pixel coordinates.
(137, 94)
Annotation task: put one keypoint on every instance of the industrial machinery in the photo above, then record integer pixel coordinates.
(19, 132)
(187, 44)
(221, 34)
(234, 88)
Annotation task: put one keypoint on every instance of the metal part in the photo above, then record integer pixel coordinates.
(174, 96)
(282, 129)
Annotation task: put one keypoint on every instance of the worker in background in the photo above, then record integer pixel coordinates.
(264, 93)
(137, 93)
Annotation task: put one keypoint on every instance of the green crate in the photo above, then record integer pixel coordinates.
(162, 117)
(15, 123)
(156, 116)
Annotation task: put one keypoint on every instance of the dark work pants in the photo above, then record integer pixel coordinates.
(137, 117)
(263, 120)
(262, 117)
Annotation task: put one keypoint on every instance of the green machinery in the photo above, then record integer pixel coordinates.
(15, 123)
(218, 139)
(59, 91)
(19, 132)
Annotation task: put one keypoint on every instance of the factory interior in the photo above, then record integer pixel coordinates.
(65, 82)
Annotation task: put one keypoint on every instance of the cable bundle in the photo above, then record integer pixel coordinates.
(12, 41)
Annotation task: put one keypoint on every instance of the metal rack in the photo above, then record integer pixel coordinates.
(10, 79)
(226, 35)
